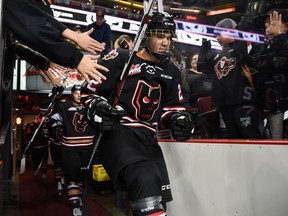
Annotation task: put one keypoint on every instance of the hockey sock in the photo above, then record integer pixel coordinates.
(74, 195)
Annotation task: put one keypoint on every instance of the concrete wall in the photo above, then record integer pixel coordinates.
(226, 179)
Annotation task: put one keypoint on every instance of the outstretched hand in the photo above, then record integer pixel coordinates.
(275, 23)
(88, 43)
(89, 68)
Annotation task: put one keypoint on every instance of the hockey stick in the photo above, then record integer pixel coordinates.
(23, 159)
(123, 77)
(40, 164)
(125, 71)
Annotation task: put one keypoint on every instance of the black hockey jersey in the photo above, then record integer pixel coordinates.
(231, 85)
(40, 140)
(151, 91)
(73, 123)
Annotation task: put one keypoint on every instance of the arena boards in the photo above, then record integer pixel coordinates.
(227, 177)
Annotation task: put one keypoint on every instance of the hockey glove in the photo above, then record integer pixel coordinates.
(182, 125)
(102, 115)
(56, 91)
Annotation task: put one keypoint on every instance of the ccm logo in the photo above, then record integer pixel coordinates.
(166, 187)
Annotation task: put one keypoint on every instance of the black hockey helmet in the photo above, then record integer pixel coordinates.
(76, 87)
(163, 21)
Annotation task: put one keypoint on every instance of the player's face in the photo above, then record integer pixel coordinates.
(76, 95)
(160, 41)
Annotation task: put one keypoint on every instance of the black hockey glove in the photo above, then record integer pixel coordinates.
(102, 115)
(182, 125)
(56, 91)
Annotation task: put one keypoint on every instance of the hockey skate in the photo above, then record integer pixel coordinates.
(44, 177)
(77, 212)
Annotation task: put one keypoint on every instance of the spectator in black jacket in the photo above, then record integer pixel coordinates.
(271, 81)
(101, 30)
(44, 34)
(232, 89)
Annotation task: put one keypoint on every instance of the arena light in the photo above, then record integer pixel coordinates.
(18, 120)
(186, 10)
(221, 11)
(139, 6)
(124, 2)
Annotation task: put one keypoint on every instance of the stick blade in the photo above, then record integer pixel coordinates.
(22, 165)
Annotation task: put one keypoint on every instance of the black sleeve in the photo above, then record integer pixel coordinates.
(280, 51)
(241, 52)
(40, 31)
(32, 57)
(205, 61)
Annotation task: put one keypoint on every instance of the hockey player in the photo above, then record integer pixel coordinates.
(54, 134)
(39, 149)
(151, 95)
(76, 139)
(232, 89)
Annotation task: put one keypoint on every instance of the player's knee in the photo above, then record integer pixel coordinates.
(142, 180)
(148, 206)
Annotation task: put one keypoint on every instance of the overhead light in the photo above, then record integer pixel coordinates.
(177, 3)
(186, 10)
(137, 5)
(124, 2)
(221, 11)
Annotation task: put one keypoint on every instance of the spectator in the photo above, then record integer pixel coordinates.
(232, 91)
(124, 42)
(151, 94)
(44, 34)
(176, 58)
(195, 84)
(101, 30)
(272, 64)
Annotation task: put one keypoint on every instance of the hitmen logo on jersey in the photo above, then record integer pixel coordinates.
(146, 100)
(79, 122)
(223, 66)
(245, 121)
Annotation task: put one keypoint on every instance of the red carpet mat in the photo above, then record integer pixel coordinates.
(39, 198)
